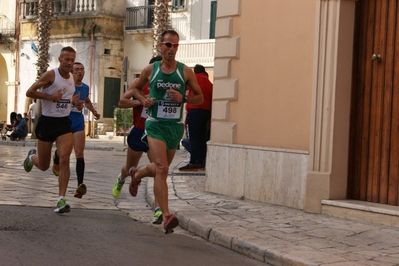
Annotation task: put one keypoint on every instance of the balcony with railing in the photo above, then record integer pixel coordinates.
(197, 52)
(7, 29)
(29, 8)
(139, 18)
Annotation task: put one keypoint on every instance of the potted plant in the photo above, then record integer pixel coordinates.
(119, 120)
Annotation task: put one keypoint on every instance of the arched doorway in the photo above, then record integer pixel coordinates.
(3, 89)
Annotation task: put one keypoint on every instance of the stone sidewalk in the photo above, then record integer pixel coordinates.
(269, 233)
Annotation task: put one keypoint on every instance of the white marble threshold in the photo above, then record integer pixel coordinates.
(364, 206)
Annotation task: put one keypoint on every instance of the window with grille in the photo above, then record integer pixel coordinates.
(213, 20)
(178, 5)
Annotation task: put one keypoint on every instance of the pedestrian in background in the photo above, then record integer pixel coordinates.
(32, 114)
(20, 130)
(31, 111)
(198, 123)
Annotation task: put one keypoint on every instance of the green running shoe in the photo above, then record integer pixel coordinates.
(117, 189)
(28, 164)
(157, 218)
(62, 206)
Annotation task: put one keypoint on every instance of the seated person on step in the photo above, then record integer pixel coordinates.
(21, 129)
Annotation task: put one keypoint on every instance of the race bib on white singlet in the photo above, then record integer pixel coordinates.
(60, 106)
(169, 110)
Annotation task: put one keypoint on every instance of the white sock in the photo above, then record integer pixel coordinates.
(30, 158)
(60, 198)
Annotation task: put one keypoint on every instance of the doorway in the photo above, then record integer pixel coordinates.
(373, 173)
(112, 88)
(3, 90)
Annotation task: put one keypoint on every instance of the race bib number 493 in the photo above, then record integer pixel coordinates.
(169, 110)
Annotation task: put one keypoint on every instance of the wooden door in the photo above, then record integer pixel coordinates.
(112, 88)
(374, 155)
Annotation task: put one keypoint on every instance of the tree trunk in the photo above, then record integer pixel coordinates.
(43, 36)
(161, 22)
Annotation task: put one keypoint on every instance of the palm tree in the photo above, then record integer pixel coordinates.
(160, 23)
(43, 36)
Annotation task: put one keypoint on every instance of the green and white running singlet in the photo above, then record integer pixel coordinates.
(165, 109)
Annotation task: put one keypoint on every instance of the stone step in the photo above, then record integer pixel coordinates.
(363, 211)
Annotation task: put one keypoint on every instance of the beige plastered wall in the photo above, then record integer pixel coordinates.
(328, 161)
(273, 101)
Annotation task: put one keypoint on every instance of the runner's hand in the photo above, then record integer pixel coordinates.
(148, 102)
(175, 95)
(56, 96)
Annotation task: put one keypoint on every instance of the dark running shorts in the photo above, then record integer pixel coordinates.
(50, 128)
(134, 140)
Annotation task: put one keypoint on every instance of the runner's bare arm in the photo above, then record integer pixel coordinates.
(90, 106)
(197, 98)
(126, 99)
(138, 87)
(44, 82)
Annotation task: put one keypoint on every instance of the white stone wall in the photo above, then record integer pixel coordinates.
(275, 176)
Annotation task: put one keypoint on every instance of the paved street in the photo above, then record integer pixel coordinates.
(111, 237)
(34, 236)
(40, 189)
(270, 233)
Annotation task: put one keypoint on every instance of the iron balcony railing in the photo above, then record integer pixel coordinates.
(7, 29)
(139, 17)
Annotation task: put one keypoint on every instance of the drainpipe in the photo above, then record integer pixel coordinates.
(16, 58)
(90, 117)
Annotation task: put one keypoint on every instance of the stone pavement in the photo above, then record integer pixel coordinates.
(269, 233)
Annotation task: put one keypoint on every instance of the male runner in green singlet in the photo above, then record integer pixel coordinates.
(164, 126)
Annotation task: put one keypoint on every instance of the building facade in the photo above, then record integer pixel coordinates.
(8, 59)
(291, 123)
(95, 30)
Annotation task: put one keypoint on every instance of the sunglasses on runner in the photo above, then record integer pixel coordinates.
(170, 44)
